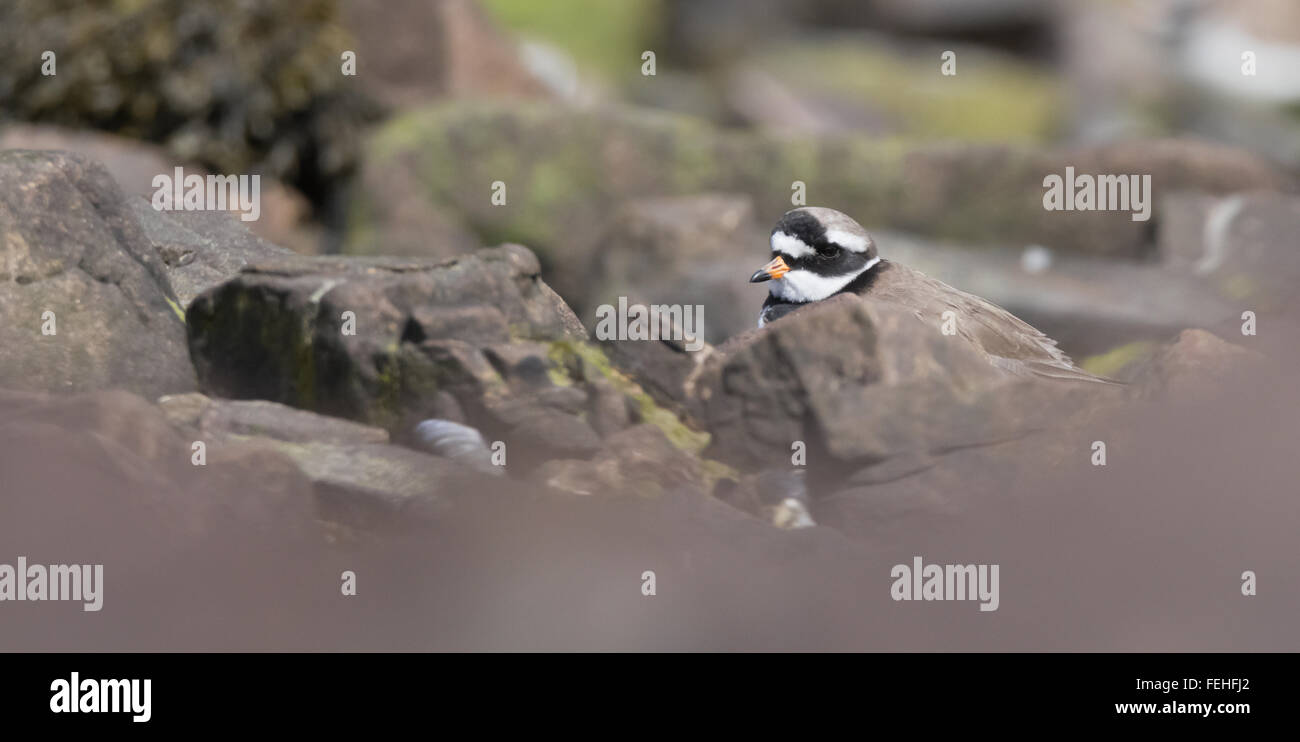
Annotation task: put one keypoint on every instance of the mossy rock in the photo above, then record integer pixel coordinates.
(565, 171)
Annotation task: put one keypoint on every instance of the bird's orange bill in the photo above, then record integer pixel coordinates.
(771, 271)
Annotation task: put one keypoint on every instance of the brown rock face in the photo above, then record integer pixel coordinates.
(859, 381)
(687, 250)
(134, 164)
(85, 298)
(479, 339)
(366, 338)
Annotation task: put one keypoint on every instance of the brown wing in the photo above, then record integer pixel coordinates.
(1011, 343)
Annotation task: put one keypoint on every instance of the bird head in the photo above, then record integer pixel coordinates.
(815, 253)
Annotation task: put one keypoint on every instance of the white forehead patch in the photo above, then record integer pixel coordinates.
(847, 240)
(789, 246)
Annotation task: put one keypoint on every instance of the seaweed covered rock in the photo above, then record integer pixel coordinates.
(238, 87)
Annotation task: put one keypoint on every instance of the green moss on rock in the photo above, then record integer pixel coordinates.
(1117, 359)
(679, 433)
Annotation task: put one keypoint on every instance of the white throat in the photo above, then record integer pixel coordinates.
(801, 286)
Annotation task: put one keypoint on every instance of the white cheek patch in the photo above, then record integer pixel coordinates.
(805, 286)
(847, 240)
(802, 286)
(791, 247)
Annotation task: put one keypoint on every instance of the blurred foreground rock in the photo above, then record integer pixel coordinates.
(125, 438)
(357, 474)
(637, 461)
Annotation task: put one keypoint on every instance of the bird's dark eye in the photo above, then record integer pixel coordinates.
(828, 249)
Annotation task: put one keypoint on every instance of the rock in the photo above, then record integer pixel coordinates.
(675, 250)
(480, 336)
(927, 490)
(644, 454)
(276, 331)
(668, 410)
(118, 416)
(665, 370)
(73, 247)
(200, 249)
(579, 477)
(237, 87)
(924, 489)
(640, 460)
(362, 483)
(227, 419)
(547, 433)
(859, 382)
(284, 212)
(1196, 363)
(123, 449)
(609, 411)
(356, 476)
